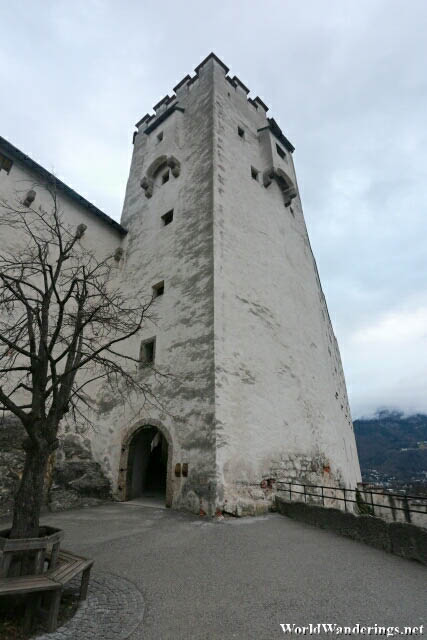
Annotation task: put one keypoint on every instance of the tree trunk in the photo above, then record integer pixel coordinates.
(29, 498)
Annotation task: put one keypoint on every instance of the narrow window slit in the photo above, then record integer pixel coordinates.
(158, 289)
(167, 217)
(280, 152)
(148, 352)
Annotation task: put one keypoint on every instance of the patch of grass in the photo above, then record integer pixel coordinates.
(363, 507)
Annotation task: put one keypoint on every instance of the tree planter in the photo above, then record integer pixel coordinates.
(14, 550)
(24, 571)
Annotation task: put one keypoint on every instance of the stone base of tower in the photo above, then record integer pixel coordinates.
(285, 477)
(248, 502)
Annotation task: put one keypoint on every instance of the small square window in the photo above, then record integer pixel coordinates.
(165, 176)
(5, 163)
(254, 173)
(160, 136)
(280, 151)
(148, 351)
(158, 289)
(167, 217)
(241, 132)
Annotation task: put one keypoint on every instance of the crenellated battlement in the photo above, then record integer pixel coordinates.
(184, 86)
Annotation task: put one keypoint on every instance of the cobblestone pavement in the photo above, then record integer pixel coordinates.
(113, 610)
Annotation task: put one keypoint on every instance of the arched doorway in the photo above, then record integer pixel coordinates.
(147, 464)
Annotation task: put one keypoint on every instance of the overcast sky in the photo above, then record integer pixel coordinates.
(345, 79)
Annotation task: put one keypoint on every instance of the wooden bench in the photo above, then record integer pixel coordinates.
(66, 566)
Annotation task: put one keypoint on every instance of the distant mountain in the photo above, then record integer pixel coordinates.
(392, 448)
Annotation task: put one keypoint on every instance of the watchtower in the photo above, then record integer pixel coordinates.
(216, 232)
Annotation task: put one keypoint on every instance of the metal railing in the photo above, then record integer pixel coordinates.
(365, 501)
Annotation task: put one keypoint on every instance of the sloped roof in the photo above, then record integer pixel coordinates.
(16, 154)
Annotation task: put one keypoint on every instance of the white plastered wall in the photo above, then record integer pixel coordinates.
(281, 404)
(255, 388)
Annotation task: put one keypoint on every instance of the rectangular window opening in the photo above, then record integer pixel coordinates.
(5, 163)
(254, 173)
(280, 151)
(158, 289)
(167, 217)
(165, 176)
(148, 352)
(160, 136)
(241, 132)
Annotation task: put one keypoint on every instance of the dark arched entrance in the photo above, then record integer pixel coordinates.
(147, 464)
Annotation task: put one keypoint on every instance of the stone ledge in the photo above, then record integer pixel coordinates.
(404, 540)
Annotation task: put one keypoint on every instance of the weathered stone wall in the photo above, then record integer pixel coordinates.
(250, 388)
(402, 539)
(282, 411)
(181, 255)
(77, 479)
(11, 461)
(73, 479)
(245, 297)
(100, 237)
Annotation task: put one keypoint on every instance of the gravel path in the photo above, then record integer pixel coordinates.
(239, 578)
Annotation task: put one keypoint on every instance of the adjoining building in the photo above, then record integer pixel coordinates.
(213, 228)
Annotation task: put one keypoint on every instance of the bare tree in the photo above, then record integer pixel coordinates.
(62, 320)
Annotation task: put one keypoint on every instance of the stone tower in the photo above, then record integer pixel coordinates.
(216, 231)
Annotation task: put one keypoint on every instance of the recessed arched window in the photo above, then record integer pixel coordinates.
(283, 180)
(159, 173)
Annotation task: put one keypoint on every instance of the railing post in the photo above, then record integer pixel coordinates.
(290, 491)
(372, 503)
(305, 497)
(345, 501)
(406, 509)
(323, 497)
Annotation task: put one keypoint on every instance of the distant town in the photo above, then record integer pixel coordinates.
(393, 450)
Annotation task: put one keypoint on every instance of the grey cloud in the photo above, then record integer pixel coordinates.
(345, 80)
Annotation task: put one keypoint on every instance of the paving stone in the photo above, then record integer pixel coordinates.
(102, 614)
